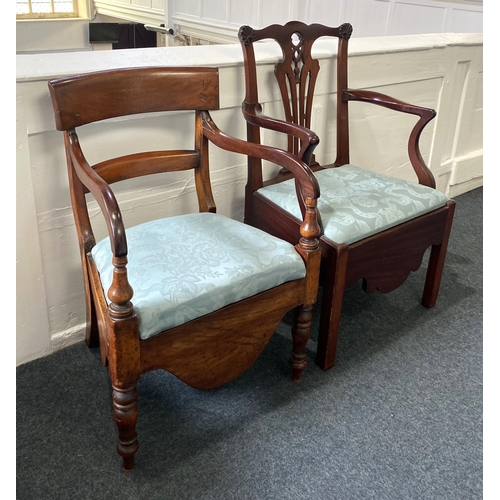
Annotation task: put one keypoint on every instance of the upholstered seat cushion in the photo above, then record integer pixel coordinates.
(187, 266)
(356, 203)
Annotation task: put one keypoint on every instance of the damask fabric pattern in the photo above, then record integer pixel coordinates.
(186, 266)
(356, 203)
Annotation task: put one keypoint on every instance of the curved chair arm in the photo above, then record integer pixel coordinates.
(309, 140)
(305, 180)
(102, 194)
(424, 174)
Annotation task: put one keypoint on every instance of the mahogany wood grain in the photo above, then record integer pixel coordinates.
(214, 349)
(205, 353)
(382, 261)
(114, 93)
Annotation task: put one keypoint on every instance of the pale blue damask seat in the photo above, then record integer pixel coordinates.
(184, 267)
(356, 203)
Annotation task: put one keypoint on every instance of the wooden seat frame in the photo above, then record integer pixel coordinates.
(208, 351)
(383, 261)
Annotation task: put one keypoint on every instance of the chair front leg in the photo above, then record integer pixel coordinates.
(126, 412)
(301, 331)
(124, 360)
(334, 267)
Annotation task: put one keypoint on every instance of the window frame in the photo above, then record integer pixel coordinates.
(49, 15)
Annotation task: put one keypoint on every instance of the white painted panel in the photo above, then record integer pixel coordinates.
(457, 90)
(141, 3)
(216, 10)
(33, 331)
(415, 18)
(327, 13)
(48, 176)
(190, 7)
(159, 4)
(244, 13)
(469, 137)
(476, 121)
(466, 21)
(368, 17)
(275, 11)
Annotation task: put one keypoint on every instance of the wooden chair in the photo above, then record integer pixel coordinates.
(196, 294)
(380, 244)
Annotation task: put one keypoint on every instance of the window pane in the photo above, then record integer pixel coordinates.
(41, 6)
(22, 7)
(45, 7)
(63, 6)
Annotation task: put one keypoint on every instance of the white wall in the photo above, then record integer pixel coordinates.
(58, 35)
(440, 71)
(219, 20)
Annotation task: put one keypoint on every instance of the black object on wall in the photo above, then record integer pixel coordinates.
(132, 36)
(103, 32)
(122, 35)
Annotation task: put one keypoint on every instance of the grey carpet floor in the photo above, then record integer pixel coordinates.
(398, 417)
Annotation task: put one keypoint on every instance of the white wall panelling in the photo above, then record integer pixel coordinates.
(441, 71)
(369, 17)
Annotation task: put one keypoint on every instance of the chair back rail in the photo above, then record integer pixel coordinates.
(131, 91)
(296, 74)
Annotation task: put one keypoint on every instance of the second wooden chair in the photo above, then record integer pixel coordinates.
(374, 227)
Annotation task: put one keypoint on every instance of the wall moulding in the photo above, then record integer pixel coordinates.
(130, 12)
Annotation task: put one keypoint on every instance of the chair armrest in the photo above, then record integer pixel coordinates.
(102, 194)
(309, 140)
(424, 174)
(387, 102)
(306, 184)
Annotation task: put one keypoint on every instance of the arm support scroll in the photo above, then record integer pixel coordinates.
(102, 194)
(309, 140)
(304, 177)
(424, 174)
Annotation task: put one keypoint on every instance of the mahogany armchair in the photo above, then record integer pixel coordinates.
(374, 228)
(196, 294)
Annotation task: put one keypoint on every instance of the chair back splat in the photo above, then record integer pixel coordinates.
(375, 228)
(197, 294)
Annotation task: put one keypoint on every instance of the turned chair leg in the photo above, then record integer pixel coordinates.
(301, 332)
(126, 412)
